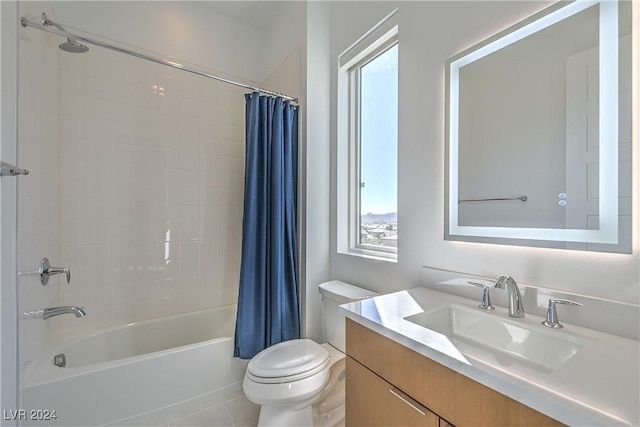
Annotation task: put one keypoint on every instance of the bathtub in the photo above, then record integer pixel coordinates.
(123, 372)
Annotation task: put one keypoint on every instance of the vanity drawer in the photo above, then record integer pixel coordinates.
(372, 402)
(452, 396)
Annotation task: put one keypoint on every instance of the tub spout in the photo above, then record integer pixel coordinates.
(57, 311)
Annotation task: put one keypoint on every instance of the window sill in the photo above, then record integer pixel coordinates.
(371, 254)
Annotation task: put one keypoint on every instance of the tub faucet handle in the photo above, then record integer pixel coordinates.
(46, 270)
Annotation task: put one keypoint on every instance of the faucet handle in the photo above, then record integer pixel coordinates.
(46, 270)
(486, 297)
(552, 314)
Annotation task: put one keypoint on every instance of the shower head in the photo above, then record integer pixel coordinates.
(71, 45)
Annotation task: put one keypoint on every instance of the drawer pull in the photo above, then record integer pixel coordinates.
(407, 402)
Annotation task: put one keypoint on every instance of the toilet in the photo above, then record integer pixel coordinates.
(300, 382)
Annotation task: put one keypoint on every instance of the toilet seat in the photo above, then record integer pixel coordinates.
(288, 378)
(288, 361)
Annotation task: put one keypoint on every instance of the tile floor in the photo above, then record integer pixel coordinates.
(226, 407)
(238, 412)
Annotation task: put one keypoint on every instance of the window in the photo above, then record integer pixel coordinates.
(368, 145)
(378, 143)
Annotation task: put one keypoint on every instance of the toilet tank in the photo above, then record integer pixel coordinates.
(335, 293)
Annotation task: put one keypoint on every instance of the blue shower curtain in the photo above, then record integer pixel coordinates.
(268, 294)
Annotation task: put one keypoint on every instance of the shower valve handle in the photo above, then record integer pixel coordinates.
(46, 270)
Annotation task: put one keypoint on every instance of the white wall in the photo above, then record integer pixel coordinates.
(286, 78)
(8, 199)
(188, 31)
(429, 34)
(285, 40)
(316, 187)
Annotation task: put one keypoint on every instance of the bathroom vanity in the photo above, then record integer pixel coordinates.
(405, 368)
(389, 384)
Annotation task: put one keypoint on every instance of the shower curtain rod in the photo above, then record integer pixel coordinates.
(51, 29)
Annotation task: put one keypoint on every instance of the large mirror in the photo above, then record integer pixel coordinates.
(539, 132)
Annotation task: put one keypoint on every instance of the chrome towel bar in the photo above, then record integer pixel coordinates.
(521, 198)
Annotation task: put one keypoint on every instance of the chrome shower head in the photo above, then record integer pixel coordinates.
(73, 46)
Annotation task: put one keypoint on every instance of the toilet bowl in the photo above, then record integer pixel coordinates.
(300, 382)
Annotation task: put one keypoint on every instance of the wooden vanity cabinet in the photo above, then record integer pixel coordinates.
(381, 404)
(391, 385)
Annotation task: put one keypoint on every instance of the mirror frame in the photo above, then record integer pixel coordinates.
(607, 138)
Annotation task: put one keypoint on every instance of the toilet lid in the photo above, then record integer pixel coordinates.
(288, 361)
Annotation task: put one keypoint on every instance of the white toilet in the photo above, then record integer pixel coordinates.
(299, 382)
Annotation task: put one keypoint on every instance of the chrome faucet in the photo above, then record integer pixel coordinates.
(57, 311)
(516, 306)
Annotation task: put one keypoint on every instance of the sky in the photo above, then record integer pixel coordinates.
(379, 133)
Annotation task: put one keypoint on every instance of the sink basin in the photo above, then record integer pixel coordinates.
(546, 350)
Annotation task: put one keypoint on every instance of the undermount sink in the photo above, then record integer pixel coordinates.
(524, 343)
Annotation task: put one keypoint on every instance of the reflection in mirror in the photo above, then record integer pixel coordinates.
(539, 132)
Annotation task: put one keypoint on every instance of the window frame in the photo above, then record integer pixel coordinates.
(381, 38)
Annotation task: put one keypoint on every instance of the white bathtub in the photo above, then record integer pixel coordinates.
(138, 368)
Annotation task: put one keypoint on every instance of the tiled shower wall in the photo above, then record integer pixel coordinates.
(151, 189)
(38, 192)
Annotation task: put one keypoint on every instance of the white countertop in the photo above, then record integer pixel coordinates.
(600, 385)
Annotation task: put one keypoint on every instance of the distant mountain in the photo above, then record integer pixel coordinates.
(371, 218)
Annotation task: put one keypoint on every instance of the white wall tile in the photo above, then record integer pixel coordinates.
(38, 195)
(128, 180)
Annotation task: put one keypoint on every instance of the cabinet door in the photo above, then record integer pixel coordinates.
(371, 402)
